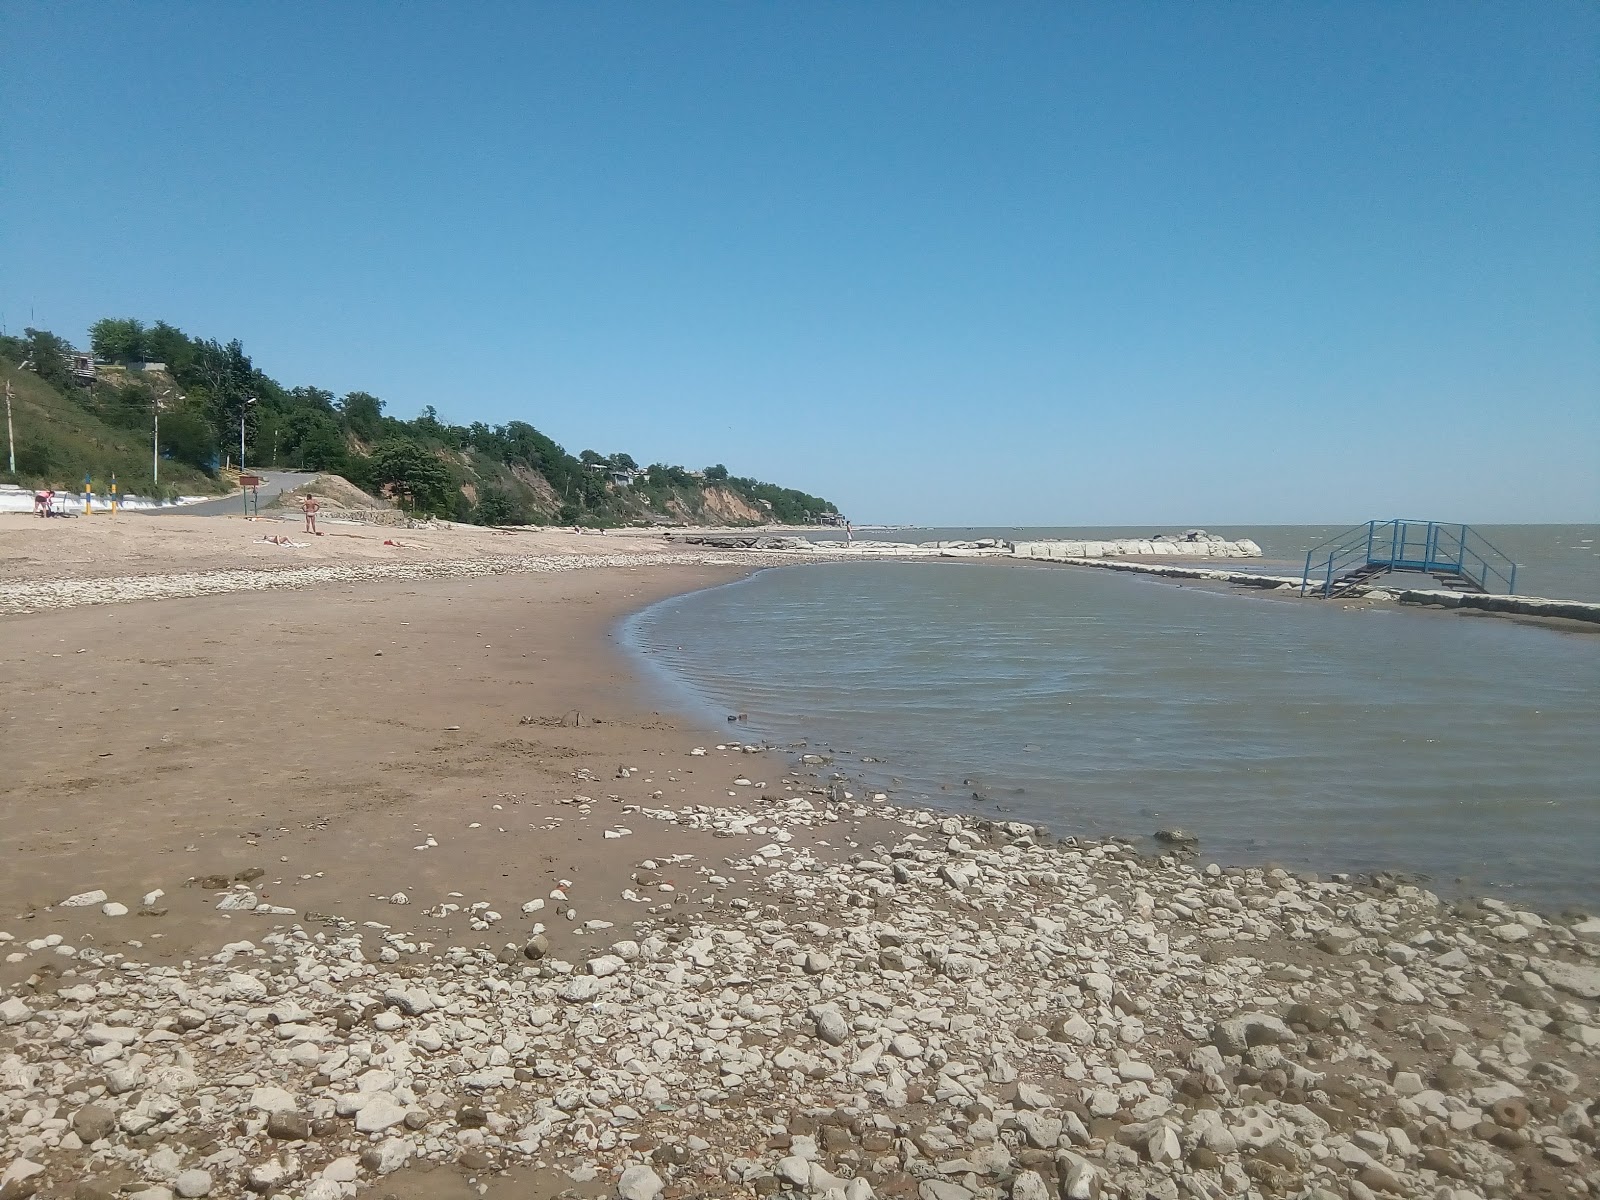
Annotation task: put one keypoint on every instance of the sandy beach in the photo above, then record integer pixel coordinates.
(134, 544)
(407, 886)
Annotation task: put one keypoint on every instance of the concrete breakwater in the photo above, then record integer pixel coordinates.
(1525, 606)
(1196, 543)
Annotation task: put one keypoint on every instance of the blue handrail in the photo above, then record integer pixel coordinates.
(1454, 551)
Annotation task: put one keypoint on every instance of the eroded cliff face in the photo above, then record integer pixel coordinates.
(544, 495)
(725, 507)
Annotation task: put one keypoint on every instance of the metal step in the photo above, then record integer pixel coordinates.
(1456, 556)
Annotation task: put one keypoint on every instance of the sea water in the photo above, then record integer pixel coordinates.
(1464, 750)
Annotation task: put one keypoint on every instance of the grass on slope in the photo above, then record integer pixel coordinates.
(59, 441)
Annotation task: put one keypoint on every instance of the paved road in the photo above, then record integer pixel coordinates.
(272, 483)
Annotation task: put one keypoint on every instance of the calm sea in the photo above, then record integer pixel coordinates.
(1465, 750)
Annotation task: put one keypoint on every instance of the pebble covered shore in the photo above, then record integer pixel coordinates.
(859, 1001)
(37, 595)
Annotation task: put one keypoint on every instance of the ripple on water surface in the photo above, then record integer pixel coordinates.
(1100, 703)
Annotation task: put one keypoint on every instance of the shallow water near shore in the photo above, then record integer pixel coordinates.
(1463, 749)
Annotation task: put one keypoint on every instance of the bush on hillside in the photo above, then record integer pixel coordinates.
(496, 507)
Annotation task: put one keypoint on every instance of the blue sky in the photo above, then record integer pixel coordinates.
(942, 263)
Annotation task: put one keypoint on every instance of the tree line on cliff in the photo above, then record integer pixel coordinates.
(489, 474)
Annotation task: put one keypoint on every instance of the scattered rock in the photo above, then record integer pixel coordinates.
(639, 1183)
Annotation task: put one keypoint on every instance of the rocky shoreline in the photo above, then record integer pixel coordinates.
(830, 997)
(23, 596)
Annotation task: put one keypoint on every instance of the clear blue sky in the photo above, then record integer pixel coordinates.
(943, 263)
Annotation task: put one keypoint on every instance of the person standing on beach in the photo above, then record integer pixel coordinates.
(310, 507)
(849, 533)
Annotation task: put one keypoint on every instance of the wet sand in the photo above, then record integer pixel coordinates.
(324, 733)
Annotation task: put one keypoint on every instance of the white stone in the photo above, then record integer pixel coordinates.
(639, 1183)
(380, 1112)
(272, 1100)
(342, 1170)
(831, 1027)
(393, 1153)
(905, 1046)
(793, 1169)
(580, 988)
(19, 1172)
(1041, 1131)
(100, 1034)
(84, 900)
(246, 987)
(1576, 979)
(192, 1183)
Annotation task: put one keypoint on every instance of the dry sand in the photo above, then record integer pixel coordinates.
(142, 544)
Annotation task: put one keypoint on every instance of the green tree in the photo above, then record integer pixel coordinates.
(48, 354)
(405, 467)
(363, 415)
(225, 380)
(311, 397)
(590, 458)
(118, 339)
(496, 507)
(715, 474)
(170, 345)
(311, 438)
(187, 437)
(428, 424)
(624, 462)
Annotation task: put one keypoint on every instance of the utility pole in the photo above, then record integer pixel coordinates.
(11, 438)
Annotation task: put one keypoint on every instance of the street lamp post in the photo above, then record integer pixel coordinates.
(244, 408)
(155, 440)
(11, 439)
(156, 397)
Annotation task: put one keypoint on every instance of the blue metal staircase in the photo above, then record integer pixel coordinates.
(1457, 556)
